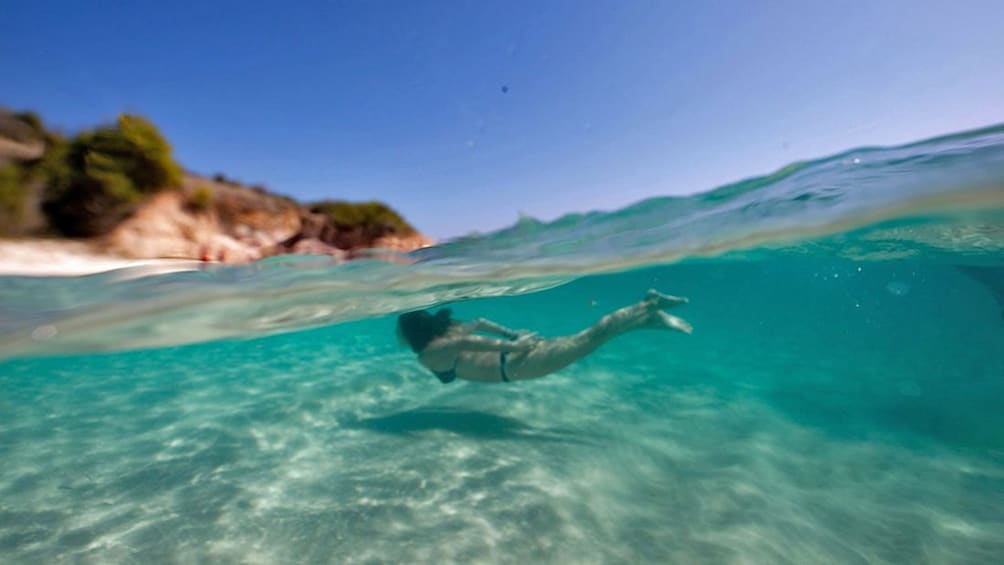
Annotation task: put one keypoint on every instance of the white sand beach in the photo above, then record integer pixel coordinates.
(73, 258)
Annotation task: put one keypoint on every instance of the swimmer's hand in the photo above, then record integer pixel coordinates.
(525, 342)
(518, 334)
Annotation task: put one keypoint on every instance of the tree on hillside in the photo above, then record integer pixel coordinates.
(373, 219)
(105, 173)
(25, 147)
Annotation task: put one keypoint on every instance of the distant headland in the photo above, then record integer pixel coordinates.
(114, 194)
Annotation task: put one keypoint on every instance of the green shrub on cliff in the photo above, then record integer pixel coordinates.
(373, 218)
(23, 173)
(34, 122)
(201, 199)
(11, 195)
(104, 173)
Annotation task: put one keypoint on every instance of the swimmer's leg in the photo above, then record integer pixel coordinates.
(645, 314)
(554, 354)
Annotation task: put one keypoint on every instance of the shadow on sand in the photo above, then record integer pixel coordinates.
(469, 423)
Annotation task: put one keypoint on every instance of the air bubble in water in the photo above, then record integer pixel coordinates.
(898, 288)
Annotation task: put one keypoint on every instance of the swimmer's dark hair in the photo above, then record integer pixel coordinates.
(419, 328)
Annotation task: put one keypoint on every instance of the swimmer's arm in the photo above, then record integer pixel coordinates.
(488, 326)
(481, 343)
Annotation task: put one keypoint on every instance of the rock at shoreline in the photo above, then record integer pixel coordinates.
(312, 246)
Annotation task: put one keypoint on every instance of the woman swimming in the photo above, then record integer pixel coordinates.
(452, 349)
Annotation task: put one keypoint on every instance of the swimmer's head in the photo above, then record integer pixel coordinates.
(417, 329)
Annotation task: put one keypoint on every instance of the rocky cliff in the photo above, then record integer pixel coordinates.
(231, 223)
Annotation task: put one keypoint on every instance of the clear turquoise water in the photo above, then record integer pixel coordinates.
(840, 401)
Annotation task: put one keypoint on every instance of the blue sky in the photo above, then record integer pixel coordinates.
(463, 114)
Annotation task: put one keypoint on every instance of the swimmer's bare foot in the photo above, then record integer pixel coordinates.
(659, 320)
(663, 320)
(659, 301)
